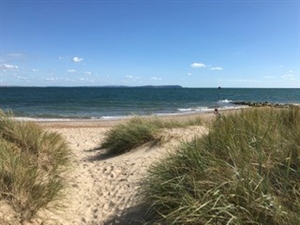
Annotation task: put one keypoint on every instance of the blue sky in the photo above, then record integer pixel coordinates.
(243, 43)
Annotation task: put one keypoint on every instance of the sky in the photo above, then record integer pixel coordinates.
(204, 43)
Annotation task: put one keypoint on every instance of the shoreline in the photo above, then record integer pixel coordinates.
(79, 122)
(178, 112)
(95, 123)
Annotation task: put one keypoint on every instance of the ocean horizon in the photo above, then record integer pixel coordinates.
(114, 102)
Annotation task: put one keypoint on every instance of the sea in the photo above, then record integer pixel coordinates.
(109, 103)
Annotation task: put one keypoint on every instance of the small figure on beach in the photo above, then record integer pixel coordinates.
(216, 112)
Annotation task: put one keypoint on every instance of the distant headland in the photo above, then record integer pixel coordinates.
(144, 86)
(107, 86)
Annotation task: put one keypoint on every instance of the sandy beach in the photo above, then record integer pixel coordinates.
(103, 190)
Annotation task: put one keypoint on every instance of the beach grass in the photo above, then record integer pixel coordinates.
(245, 171)
(31, 164)
(138, 131)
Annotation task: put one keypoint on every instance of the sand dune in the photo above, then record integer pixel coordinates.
(103, 190)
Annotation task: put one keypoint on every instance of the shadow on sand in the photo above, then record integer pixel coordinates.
(101, 154)
(136, 215)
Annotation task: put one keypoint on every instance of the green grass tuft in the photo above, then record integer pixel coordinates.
(125, 137)
(138, 131)
(245, 171)
(31, 164)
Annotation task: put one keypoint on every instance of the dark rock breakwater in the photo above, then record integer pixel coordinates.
(266, 104)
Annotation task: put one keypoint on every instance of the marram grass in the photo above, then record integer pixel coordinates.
(138, 131)
(31, 164)
(245, 171)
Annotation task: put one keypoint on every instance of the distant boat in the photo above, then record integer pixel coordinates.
(219, 87)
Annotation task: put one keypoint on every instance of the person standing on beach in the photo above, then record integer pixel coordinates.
(216, 112)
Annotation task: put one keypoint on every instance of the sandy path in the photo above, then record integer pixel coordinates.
(101, 190)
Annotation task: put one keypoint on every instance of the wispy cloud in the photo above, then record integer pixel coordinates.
(216, 68)
(86, 80)
(288, 77)
(50, 79)
(132, 78)
(155, 78)
(198, 65)
(87, 73)
(77, 59)
(9, 67)
(189, 74)
(129, 77)
(21, 77)
(269, 76)
(17, 56)
(71, 71)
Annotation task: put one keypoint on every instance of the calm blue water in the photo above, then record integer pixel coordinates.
(108, 103)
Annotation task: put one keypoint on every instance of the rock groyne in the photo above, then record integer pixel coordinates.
(266, 104)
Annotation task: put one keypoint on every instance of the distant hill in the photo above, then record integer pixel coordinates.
(108, 86)
(145, 86)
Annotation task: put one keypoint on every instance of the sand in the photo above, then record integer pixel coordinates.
(101, 189)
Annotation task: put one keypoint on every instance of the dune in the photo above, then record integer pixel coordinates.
(101, 189)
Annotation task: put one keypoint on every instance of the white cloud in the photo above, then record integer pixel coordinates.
(77, 59)
(198, 65)
(66, 57)
(129, 77)
(132, 78)
(288, 77)
(290, 71)
(216, 68)
(9, 67)
(155, 78)
(269, 77)
(83, 79)
(71, 71)
(189, 74)
(51, 79)
(21, 77)
(87, 73)
(34, 70)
